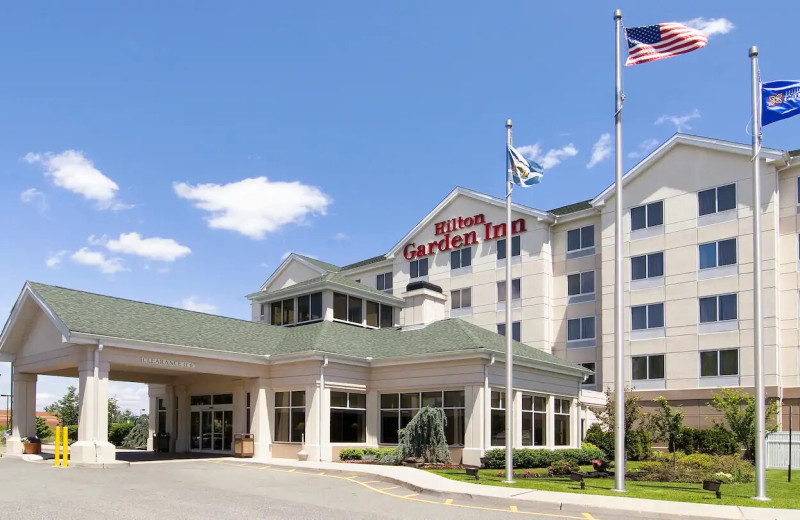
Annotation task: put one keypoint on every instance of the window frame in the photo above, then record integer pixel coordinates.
(581, 231)
(348, 408)
(516, 283)
(314, 299)
(534, 414)
(716, 244)
(461, 256)
(516, 245)
(647, 307)
(718, 308)
(293, 409)
(460, 292)
(646, 208)
(649, 367)
(420, 404)
(580, 321)
(647, 266)
(418, 263)
(515, 326)
(718, 353)
(558, 413)
(380, 282)
(580, 280)
(716, 191)
(593, 376)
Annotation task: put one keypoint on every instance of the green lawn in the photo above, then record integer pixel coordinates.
(783, 494)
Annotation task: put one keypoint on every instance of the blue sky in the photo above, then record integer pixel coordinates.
(237, 132)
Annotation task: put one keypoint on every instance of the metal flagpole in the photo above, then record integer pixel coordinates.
(509, 351)
(758, 311)
(619, 352)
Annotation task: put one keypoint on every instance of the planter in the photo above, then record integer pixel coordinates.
(32, 448)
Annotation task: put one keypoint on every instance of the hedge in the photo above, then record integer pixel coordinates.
(118, 431)
(381, 455)
(712, 441)
(542, 458)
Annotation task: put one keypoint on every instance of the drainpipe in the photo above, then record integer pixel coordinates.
(321, 402)
(487, 418)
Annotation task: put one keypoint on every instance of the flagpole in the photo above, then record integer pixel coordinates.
(619, 352)
(509, 351)
(758, 310)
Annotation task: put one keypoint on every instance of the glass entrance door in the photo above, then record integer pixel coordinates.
(211, 423)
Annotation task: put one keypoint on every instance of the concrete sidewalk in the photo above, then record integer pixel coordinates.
(423, 481)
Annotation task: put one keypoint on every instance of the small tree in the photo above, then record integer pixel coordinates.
(137, 437)
(739, 409)
(666, 423)
(66, 408)
(424, 437)
(42, 430)
(637, 439)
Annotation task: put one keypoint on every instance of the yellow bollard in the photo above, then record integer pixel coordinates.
(58, 444)
(65, 453)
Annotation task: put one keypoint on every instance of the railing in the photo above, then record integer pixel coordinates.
(778, 450)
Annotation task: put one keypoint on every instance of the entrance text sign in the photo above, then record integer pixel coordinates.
(167, 362)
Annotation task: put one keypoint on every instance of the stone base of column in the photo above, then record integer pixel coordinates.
(88, 452)
(14, 446)
(471, 456)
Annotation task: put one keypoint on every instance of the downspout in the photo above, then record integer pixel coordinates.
(321, 402)
(487, 417)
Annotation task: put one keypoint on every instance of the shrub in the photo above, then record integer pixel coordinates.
(713, 441)
(117, 432)
(541, 458)
(696, 468)
(137, 437)
(603, 440)
(424, 436)
(388, 456)
(352, 454)
(562, 467)
(72, 433)
(42, 430)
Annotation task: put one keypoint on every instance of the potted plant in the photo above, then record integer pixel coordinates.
(31, 445)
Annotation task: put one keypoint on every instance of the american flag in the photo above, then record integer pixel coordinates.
(656, 42)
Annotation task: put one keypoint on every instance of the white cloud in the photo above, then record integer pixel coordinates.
(36, 197)
(681, 122)
(341, 236)
(54, 260)
(193, 303)
(129, 396)
(644, 148)
(73, 171)
(710, 26)
(155, 248)
(601, 150)
(551, 158)
(255, 207)
(86, 256)
(44, 399)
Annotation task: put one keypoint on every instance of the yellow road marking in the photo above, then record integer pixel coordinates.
(415, 498)
(321, 473)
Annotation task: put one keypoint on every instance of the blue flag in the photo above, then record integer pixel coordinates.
(779, 100)
(524, 172)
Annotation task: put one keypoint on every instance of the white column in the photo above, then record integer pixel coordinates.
(313, 404)
(152, 417)
(171, 425)
(182, 432)
(550, 433)
(473, 425)
(260, 396)
(92, 446)
(373, 417)
(24, 411)
(517, 409)
(239, 419)
(575, 422)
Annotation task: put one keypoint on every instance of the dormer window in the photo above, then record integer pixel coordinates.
(293, 311)
(384, 282)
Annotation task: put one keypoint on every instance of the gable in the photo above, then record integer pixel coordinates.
(292, 273)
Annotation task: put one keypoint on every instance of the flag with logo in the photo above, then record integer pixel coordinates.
(523, 171)
(665, 40)
(779, 100)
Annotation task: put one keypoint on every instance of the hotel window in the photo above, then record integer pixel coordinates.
(717, 254)
(347, 308)
(348, 417)
(534, 420)
(561, 420)
(384, 282)
(461, 298)
(283, 312)
(717, 199)
(581, 238)
(379, 315)
(647, 367)
(276, 313)
(290, 416)
(714, 363)
(516, 332)
(398, 409)
(647, 266)
(580, 328)
(309, 307)
(718, 308)
(288, 311)
(498, 418)
(515, 290)
(515, 247)
(589, 380)
(461, 258)
(419, 268)
(647, 316)
(580, 283)
(647, 216)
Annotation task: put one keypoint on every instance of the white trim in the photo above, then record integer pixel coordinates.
(28, 291)
(292, 257)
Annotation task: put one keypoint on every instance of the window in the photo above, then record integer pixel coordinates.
(714, 363)
(718, 308)
(647, 216)
(348, 417)
(387, 316)
(580, 283)
(384, 282)
(162, 416)
(461, 258)
(290, 416)
(247, 412)
(717, 199)
(590, 379)
(347, 308)
(461, 298)
(647, 367)
(379, 315)
(498, 418)
(580, 328)
(288, 311)
(309, 307)
(418, 268)
(515, 290)
(647, 266)
(276, 313)
(647, 316)
(581, 238)
(717, 254)
(515, 247)
(561, 420)
(354, 310)
(534, 420)
(516, 332)
(398, 409)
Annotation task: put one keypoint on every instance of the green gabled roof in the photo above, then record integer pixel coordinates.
(110, 317)
(319, 263)
(571, 208)
(329, 278)
(362, 263)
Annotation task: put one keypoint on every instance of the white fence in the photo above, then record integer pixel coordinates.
(778, 450)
